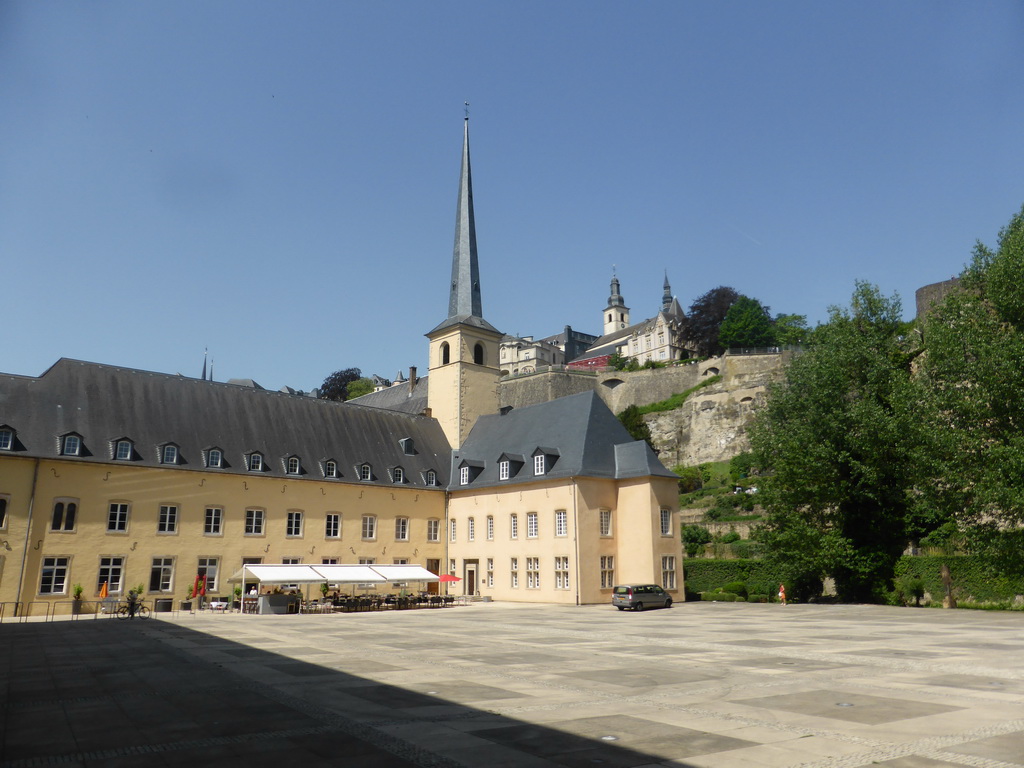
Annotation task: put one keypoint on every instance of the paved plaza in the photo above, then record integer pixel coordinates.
(492, 685)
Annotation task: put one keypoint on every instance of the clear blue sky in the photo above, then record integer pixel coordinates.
(277, 181)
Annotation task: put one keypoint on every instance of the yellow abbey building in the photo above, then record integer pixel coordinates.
(125, 477)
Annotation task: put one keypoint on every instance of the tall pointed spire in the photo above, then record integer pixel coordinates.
(666, 297)
(465, 293)
(464, 303)
(205, 352)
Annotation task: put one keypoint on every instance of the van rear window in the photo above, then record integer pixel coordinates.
(622, 590)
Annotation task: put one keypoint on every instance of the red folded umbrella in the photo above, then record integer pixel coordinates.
(448, 577)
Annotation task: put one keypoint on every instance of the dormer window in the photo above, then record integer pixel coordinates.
(330, 468)
(540, 464)
(408, 447)
(123, 450)
(71, 445)
(543, 460)
(503, 469)
(6, 439)
(463, 475)
(431, 477)
(169, 454)
(365, 472)
(398, 475)
(215, 458)
(293, 466)
(255, 462)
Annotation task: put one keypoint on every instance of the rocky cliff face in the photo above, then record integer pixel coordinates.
(710, 426)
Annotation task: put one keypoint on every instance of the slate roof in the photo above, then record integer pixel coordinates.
(104, 403)
(578, 433)
(398, 397)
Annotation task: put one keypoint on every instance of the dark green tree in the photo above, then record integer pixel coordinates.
(747, 324)
(359, 387)
(335, 386)
(705, 317)
(841, 442)
(634, 423)
(974, 368)
(791, 330)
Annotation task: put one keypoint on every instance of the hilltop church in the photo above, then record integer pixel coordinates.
(120, 477)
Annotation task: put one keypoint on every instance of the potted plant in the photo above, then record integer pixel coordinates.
(238, 599)
(76, 594)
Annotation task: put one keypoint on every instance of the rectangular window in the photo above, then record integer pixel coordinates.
(433, 530)
(64, 512)
(666, 522)
(208, 568)
(668, 571)
(117, 518)
(332, 526)
(463, 475)
(3, 512)
(170, 455)
(538, 464)
(515, 572)
(401, 529)
(451, 530)
(533, 573)
(606, 522)
(503, 470)
(293, 525)
(490, 571)
(123, 452)
(490, 527)
(561, 573)
(471, 529)
(561, 523)
(254, 519)
(514, 522)
(215, 459)
(55, 576)
(531, 525)
(255, 462)
(369, 527)
(168, 520)
(213, 521)
(161, 575)
(451, 566)
(607, 571)
(111, 573)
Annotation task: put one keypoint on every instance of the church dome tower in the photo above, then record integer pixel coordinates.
(616, 314)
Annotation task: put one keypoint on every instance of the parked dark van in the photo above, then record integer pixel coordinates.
(640, 596)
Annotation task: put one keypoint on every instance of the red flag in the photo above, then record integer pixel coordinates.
(202, 586)
(195, 587)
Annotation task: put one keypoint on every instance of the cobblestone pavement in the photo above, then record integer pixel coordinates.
(493, 685)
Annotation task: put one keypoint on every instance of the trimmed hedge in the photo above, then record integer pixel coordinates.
(973, 579)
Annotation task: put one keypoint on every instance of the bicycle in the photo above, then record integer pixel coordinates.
(132, 609)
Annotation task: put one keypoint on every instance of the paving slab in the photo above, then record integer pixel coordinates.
(701, 685)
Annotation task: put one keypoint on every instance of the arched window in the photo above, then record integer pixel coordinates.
(478, 354)
(445, 353)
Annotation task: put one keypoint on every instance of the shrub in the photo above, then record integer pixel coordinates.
(694, 539)
(736, 588)
(730, 537)
(720, 597)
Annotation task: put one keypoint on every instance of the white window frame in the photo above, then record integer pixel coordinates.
(205, 566)
(331, 469)
(607, 571)
(539, 464)
(53, 574)
(514, 571)
(504, 469)
(167, 519)
(293, 525)
(294, 465)
(215, 458)
(433, 529)
(118, 513)
(71, 445)
(169, 454)
(431, 477)
(213, 521)
(605, 522)
(109, 566)
(332, 525)
(255, 521)
(123, 450)
(668, 571)
(255, 462)
(561, 572)
(365, 472)
(490, 527)
(561, 522)
(532, 526)
(401, 529)
(666, 522)
(471, 529)
(369, 528)
(490, 571)
(165, 583)
(463, 475)
(6, 439)
(452, 529)
(513, 530)
(398, 476)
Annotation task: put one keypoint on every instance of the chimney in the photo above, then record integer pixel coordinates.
(412, 379)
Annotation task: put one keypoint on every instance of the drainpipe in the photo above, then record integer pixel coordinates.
(576, 537)
(28, 531)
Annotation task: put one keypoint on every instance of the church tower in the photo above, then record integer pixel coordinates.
(616, 314)
(464, 347)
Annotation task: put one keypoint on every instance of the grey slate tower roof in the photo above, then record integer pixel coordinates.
(615, 300)
(578, 434)
(104, 403)
(464, 304)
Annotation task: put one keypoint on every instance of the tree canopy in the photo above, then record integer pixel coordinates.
(336, 385)
(705, 318)
(747, 324)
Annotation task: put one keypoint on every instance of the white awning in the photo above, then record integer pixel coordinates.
(348, 574)
(405, 573)
(282, 574)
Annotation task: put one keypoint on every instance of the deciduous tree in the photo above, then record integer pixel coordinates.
(335, 386)
(705, 319)
(747, 324)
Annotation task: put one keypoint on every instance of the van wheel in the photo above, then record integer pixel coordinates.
(621, 608)
(639, 606)
(668, 603)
